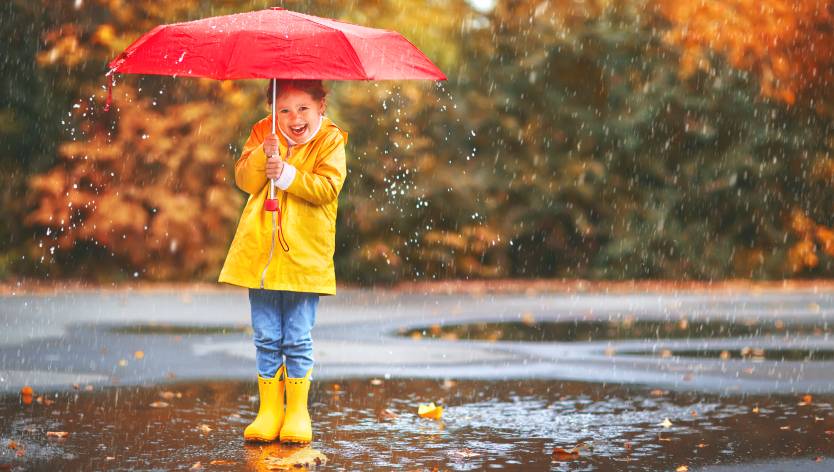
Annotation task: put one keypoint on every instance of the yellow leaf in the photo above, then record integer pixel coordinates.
(430, 410)
(666, 423)
(139, 355)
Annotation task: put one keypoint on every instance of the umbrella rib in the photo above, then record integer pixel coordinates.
(350, 50)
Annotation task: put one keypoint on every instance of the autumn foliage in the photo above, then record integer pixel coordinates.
(152, 190)
(601, 140)
(786, 43)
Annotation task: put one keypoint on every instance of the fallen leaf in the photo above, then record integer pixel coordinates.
(44, 401)
(430, 410)
(528, 319)
(806, 400)
(665, 423)
(57, 434)
(204, 428)
(304, 457)
(387, 414)
(196, 466)
(139, 355)
(701, 445)
(170, 395)
(562, 455)
(159, 405)
(222, 462)
(449, 384)
(459, 454)
(682, 468)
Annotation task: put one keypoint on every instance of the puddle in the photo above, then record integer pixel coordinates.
(626, 329)
(179, 330)
(747, 353)
(372, 425)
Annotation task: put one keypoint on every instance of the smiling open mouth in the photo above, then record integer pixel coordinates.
(298, 130)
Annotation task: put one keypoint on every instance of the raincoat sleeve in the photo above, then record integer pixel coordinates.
(324, 183)
(250, 169)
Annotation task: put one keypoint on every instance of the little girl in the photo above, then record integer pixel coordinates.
(285, 258)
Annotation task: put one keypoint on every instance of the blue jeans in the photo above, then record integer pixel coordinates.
(282, 322)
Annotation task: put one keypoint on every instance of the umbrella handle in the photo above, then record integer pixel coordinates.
(271, 203)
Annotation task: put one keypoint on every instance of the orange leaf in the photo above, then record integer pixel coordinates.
(562, 455)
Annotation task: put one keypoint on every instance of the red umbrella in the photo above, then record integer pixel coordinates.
(274, 43)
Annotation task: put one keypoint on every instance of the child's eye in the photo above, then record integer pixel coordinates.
(304, 108)
(284, 111)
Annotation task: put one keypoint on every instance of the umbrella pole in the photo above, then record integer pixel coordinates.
(271, 203)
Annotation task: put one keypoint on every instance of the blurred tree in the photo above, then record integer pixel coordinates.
(596, 139)
(143, 190)
(786, 43)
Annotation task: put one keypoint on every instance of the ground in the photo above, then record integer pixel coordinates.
(719, 375)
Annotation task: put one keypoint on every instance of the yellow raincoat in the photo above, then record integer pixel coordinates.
(308, 215)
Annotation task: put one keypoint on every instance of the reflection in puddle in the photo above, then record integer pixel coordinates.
(372, 425)
(627, 328)
(181, 330)
(748, 353)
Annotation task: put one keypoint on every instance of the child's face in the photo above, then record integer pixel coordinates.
(297, 113)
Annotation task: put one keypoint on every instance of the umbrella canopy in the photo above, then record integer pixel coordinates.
(275, 43)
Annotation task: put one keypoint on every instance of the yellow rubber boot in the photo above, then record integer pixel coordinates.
(270, 417)
(298, 428)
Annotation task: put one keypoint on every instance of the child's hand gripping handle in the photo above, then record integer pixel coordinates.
(274, 166)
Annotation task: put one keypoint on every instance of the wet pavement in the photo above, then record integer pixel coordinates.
(600, 370)
(372, 425)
